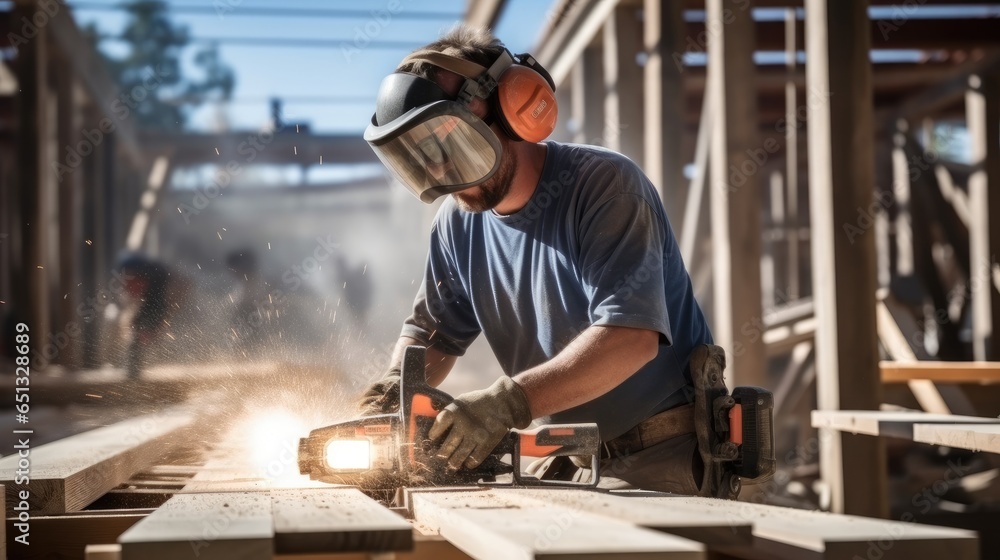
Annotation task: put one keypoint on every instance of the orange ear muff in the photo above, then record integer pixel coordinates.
(527, 104)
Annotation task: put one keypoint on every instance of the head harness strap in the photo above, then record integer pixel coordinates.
(479, 81)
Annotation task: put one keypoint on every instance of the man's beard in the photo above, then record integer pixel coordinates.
(495, 189)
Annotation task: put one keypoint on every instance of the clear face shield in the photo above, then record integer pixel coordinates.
(436, 149)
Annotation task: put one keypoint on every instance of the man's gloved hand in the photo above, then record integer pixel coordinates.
(478, 420)
(383, 396)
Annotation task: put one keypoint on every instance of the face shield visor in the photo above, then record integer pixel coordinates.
(430, 143)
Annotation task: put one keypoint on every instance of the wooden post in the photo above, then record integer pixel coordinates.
(623, 126)
(791, 156)
(588, 101)
(68, 186)
(982, 108)
(737, 157)
(841, 180)
(31, 277)
(663, 160)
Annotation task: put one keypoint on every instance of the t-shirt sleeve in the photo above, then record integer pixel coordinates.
(621, 252)
(442, 314)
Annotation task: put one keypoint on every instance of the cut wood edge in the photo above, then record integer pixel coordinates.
(69, 474)
(335, 520)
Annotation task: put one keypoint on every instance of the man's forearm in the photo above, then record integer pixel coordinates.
(438, 363)
(597, 361)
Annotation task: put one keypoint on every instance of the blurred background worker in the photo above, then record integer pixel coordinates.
(560, 254)
(146, 309)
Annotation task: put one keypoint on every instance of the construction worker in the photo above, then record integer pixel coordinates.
(560, 254)
(146, 310)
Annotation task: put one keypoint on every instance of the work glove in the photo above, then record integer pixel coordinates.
(474, 423)
(382, 397)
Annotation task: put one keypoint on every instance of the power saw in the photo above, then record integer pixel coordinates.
(392, 451)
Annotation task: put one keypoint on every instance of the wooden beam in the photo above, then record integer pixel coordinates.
(69, 474)
(588, 98)
(489, 524)
(940, 372)
(897, 345)
(945, 93)
(623, 83)
(885, 423)
(203, 526)
(70, 211)
(885, 33)
(31, 276)
(240, 149)
(841, 161)
(93, 73)
(484, 13)
(975, 437)
(663, 96)
(563, 42)
(335, 520)
(734, 193)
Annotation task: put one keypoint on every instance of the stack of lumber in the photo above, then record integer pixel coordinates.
(226, 509)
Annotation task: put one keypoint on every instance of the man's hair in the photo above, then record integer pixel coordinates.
(476, 44)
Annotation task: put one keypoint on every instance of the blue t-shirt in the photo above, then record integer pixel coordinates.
(592, 247)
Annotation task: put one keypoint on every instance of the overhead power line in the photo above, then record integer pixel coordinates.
(298, 43)
(280, 12)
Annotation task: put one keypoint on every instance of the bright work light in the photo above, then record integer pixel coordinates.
(348, 454)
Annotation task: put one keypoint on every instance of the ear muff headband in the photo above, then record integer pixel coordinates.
(525, 94)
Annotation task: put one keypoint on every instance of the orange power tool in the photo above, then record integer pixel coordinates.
(391, 451)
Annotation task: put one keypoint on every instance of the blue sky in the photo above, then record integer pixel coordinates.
(331, 86)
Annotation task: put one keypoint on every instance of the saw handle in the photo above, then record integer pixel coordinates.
(555, 441)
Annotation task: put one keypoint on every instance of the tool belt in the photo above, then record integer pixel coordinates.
(656, 429)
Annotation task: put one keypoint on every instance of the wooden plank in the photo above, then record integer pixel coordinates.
(734, 194)
(68, 474)
(976, 437)
(882, 423)
(794, 534)
(841, 160)
(335, 520)
(487, 524)
(940, 372)
(67, 536)
(203, 526)
(691, 522)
